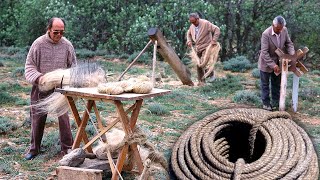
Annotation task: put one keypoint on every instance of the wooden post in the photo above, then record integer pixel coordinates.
(283, 88)
(170, 56)
(295, 92)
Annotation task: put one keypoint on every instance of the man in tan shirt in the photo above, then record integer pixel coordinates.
(275, 36)
(202, 33)
(47, 53)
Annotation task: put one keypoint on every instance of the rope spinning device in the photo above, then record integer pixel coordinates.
(245, 144)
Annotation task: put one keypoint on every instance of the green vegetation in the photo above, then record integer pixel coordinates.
(222, 87)
(157, 109)
(237, 64)
(89, 24)
(7, 125)
(96, 37)
(247, 97)
(255, 73)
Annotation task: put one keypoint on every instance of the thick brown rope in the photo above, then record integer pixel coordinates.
(280, 148)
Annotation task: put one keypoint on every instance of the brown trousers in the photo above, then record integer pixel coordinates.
(38, 122)
(202, 71)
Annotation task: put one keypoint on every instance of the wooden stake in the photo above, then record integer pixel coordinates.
(283, 88)
(295, 92)
(154, 61)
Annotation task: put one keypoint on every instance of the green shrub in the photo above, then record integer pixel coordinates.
(221, 87)
(157, 109)
(110, 56)
(6, 167)
(123, 56)
(247, 97)
(145, 58)
(8, 150)
(50, 143)
(237, 64)
(101, 52)
(315, 72)
(6, 125)
(6, 98)
(10, 50)
(310, 93)
(255, 73)
(15, 87)
(18, 72)
(186, 60)
(85, 53)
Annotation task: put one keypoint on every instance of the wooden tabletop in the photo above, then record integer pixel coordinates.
(93, 93)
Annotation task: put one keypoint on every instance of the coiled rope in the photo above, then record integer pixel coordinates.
(245, 144)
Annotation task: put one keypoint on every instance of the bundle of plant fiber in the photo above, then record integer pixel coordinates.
(53, 79)
(209, 59)
(87, 75)
(139, 85)
(82, 75)
(56, 104)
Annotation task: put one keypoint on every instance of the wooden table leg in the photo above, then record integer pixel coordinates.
(128, 129)
(81, 129)
(77, 118)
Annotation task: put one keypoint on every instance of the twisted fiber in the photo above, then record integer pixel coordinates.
(238, 169)
(202, 152)
(212, 59)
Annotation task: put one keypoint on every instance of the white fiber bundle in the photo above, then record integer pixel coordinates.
(53, 79)
(111, 88)
(56, 104)
(135, 85)
(114, 90)
(87, 75)
(194, 57)
(212, 60)
(142, 87)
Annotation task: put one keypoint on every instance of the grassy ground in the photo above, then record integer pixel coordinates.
(163, 118)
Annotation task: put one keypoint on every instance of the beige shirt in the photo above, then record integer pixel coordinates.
(207, 33)
(46, 56)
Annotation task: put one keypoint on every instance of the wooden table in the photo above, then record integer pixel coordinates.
(128, 123)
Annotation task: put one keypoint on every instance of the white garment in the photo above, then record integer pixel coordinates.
(278, 38)
(196, 30)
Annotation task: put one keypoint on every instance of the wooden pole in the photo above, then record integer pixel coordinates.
(283, 88)
(295, 92)
(154, 61)
(170, 56)
(135, 59)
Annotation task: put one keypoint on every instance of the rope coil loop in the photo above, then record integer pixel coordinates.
(245, 144)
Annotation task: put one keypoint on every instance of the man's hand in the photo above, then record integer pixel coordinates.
(40, 81)
(276, 69)
(189, 44)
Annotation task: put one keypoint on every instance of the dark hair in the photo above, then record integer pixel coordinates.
(50, 22)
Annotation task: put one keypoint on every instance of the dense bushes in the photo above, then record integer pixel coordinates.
(237, 64)
(6, 125)
(121, 26)
(247, 97)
